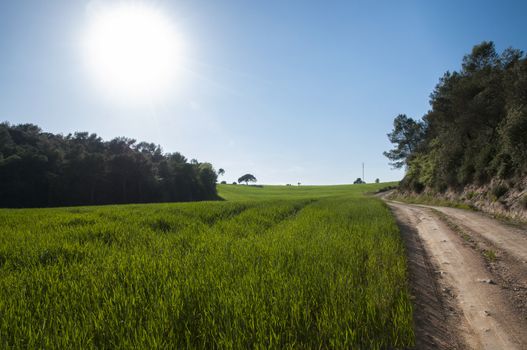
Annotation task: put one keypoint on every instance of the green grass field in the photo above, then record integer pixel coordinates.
(242, 192)
(272, 267)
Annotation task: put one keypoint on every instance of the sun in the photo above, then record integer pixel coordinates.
(132, 51)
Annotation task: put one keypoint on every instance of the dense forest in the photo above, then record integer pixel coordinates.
(476, 130)
(40, 169)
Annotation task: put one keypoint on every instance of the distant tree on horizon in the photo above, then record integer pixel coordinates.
(377, 180)
(247, 178)
(358, 181)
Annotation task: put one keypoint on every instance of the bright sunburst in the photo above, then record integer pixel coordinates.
(132, 50)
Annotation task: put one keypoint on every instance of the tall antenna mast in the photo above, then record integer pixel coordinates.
(363, 180)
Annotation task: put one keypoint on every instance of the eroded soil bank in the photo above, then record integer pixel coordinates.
(502, 198)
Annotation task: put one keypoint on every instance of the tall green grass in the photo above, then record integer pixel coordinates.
(242, 192)
(317, 271)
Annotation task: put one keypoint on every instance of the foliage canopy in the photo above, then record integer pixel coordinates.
(247, 178)
(476, 129)
(40, 169)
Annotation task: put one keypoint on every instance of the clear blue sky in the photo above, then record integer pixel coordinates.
(287, 90)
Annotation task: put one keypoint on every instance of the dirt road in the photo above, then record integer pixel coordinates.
(511, 239)
(465, 296)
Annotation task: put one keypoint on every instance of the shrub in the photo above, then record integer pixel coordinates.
(523, 201)
(513, 133)
(499, 190)
(412, 184)
(223, 182)
(490, 255)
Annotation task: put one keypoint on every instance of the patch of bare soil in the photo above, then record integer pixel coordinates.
(512, 239)
(434, 313)
(508, 269)
(459, 303)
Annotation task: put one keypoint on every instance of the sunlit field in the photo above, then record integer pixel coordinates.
(240, 192)
(271, 267)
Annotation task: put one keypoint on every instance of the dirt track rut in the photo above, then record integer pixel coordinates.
(511, 239)
(470, 309)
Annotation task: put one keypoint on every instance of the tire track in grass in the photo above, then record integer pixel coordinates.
(261, 218)
(289, 217)
(164, 224)
(298, 281)
(308, 273)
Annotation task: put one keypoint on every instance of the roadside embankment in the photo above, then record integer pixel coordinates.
(499, 198)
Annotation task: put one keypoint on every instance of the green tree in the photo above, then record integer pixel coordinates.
(247, 178)
(207, 177)
(514, 134)
(42, 169)
(476, 127)
(407, 134)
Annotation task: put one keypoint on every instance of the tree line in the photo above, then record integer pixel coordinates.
(41, 169)
(476, 129)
